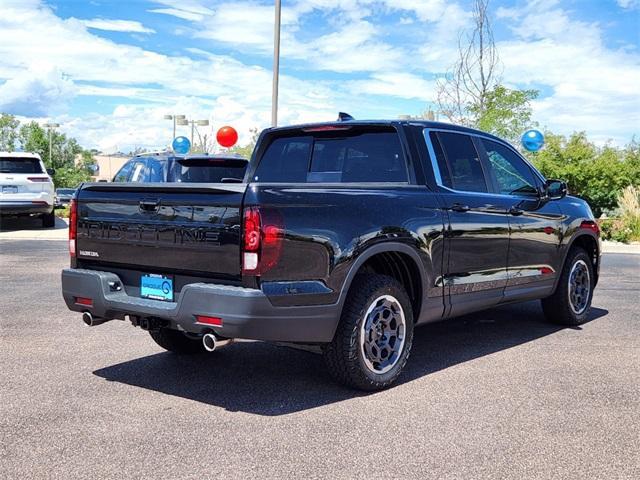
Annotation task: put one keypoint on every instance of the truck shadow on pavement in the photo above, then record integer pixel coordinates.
(13, 224)
(270, 380)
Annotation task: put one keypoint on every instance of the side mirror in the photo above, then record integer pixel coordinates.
(51, 171)
(555, 189)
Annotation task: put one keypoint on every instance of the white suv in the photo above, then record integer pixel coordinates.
(26, 187)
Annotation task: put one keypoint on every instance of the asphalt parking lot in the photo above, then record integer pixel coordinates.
(500, 394)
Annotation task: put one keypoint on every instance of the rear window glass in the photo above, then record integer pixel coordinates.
(20, 165)
(354, 157)
(206, 171)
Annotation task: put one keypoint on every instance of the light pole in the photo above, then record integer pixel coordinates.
(174, 118)
(193, 123)
(50, 126)
(276, 65)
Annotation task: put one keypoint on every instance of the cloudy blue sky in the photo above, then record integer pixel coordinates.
(108, 70)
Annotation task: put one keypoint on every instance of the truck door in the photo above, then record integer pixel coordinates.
(477, 238)
(535, 224)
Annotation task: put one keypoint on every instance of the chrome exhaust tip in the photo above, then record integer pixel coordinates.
(90, 321)
(210, 342)
(87, 319)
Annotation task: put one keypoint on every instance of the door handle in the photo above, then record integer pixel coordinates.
(149, 205)
(516, 211)
(458, 207)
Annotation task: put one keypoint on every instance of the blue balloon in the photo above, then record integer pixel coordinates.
(532, 140)
(181, 145)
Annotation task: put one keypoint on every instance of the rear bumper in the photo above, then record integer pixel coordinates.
(245, 313)
(24, 208)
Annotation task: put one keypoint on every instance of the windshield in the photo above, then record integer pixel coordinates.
(20, 165)
(206, 171)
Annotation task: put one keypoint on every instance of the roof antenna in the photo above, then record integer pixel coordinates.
(344, 117)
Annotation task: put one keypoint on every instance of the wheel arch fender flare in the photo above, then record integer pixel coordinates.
(572, 243)
(374, 250)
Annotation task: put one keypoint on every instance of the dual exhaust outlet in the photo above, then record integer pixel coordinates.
(210, 341)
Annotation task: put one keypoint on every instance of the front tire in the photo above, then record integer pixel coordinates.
(49, 220)
(570, 303)
(374, 337)
(176, 342)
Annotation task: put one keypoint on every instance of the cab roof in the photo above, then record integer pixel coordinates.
(384, 123)
(20, 155)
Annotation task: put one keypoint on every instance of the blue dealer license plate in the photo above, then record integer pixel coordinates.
(156, 287)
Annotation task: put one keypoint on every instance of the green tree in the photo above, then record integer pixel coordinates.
(597, 174)
(64, 152)
(504, 112)
(8, 132)
(247, 150)
(33, 138)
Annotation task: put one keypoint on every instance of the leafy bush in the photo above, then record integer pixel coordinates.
(626, 226)
(63, 212)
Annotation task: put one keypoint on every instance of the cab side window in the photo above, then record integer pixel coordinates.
(513, 176)
(138, 172)
(156, 171)
(124, 172)
(463, 162)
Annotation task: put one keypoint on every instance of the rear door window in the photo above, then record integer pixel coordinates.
(463, 163)
(20, 165)
(347, 157)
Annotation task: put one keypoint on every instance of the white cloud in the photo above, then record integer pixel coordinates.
(213, 86)
(183, 14)
(117, 25)
(593, 88)
(35, 93)
(629, 4)
(402, 85)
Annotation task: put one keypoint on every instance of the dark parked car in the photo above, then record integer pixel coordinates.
(197, 168)
(63, 196)
(343, 235)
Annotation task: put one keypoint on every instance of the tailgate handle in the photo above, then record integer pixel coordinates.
(149, 205)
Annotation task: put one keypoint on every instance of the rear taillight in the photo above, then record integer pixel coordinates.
(263, 233)
(87, 302)
(206, 320)
(38, 179)
(73, 226)
(591, 225)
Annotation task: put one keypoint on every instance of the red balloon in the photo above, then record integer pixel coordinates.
(227, 136)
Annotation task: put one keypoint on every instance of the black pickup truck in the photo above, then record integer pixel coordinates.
(343, 235)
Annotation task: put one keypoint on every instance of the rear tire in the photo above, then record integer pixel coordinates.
(570, 303)
(373, 339)
(48, 220)
(176, 342)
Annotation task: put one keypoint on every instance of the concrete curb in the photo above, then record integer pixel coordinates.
(617, 247)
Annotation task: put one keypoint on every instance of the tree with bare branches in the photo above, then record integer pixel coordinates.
(475, 73)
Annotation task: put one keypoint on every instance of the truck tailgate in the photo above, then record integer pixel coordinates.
(166, 228)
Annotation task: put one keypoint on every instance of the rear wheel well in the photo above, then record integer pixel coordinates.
(401, 267)
(589, 245)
